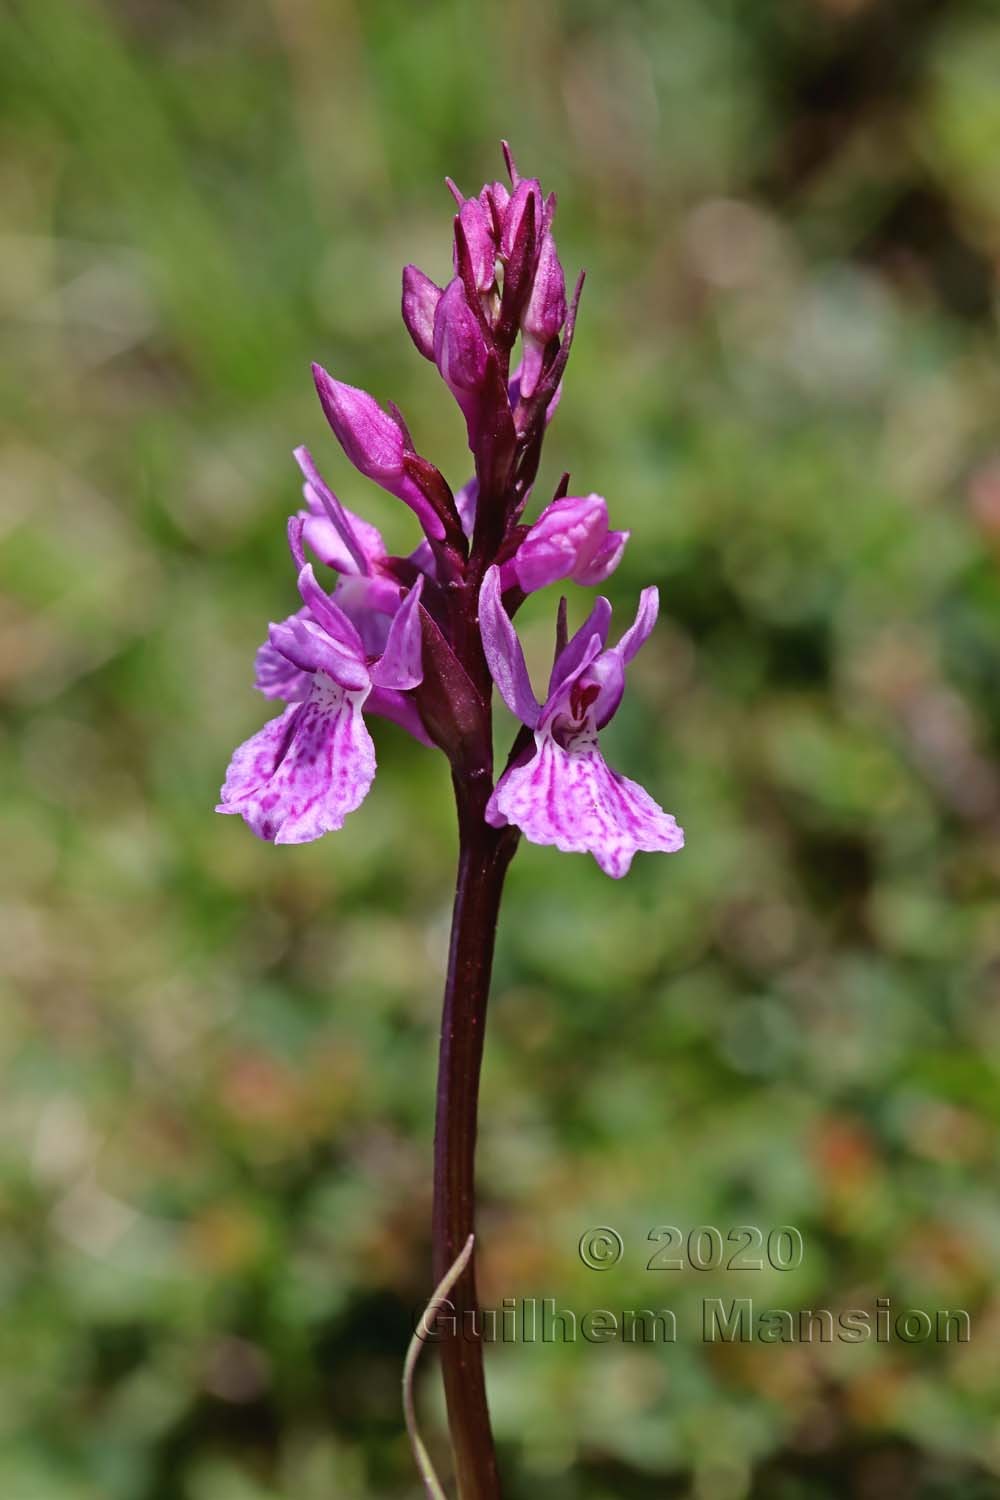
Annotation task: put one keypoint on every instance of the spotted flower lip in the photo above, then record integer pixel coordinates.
(561, 791)
(300, 775)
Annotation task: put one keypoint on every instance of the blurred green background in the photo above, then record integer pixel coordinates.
(219, 1056)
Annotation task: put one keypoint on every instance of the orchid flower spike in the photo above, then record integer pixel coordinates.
(409, 638)
(562, 791)
(499, 334)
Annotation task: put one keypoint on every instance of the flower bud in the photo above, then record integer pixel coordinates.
(477, 225)
(545, 313)
(494, 197)
(570, 539)
(459, 350)
(372, 440)
(514, 219)
(461, 356)
(375, 444)
(420, 299)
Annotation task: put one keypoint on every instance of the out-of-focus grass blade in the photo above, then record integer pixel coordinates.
(431, 1482)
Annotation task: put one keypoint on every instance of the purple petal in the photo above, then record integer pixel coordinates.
(310, 649)
(529, 371)
(369, 604)
(567, 663)
(301, 775)
(607, 674)
(254, 761)
(641, 629)
(400, 664)
(422, 557)
(605, 560)
(295, 529)
(503, 652)
(340, 539)
(275, 676)
(326, 540)
(572, 799)
(328, 615)
(567, 707)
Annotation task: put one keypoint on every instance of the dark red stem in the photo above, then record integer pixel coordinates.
(484, 854)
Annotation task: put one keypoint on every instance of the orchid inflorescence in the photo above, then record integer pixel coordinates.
(420, 640)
